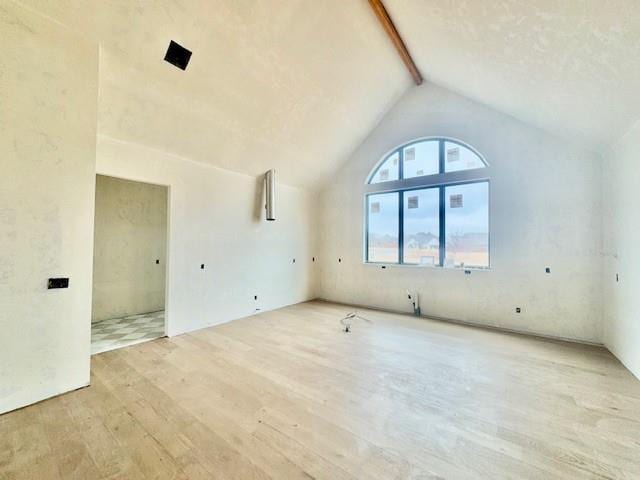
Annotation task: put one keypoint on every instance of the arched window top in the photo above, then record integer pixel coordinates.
(427, 203)
(424, 157)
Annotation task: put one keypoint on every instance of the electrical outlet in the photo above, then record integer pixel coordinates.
(55, 283)
(518, 310)
(547, 270)
(157, 261)
(202, 266)
(255, 297)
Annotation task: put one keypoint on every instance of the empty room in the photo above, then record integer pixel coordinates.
(337, 239)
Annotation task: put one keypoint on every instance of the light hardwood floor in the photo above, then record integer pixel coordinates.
(287, 394)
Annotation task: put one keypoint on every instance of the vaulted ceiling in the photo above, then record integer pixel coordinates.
(296, 85)
(293, 85)
(571, 67)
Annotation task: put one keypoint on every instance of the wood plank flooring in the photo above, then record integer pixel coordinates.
(288, 395)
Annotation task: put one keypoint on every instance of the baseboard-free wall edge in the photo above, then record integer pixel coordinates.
(623, 362)
(49, 397)
(177, 333)
(496, 328)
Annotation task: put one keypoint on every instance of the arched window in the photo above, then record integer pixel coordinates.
(427, 203)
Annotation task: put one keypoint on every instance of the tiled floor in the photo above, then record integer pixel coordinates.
(121, 332)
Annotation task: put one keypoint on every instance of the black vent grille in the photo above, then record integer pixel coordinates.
(177, 55)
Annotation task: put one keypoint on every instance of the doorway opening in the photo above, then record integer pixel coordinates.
(129, 263)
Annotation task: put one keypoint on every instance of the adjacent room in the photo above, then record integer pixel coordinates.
(129, 258)
(282, 239)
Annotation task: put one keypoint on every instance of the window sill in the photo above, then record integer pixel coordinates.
(434, 267)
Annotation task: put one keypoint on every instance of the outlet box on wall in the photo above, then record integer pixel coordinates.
(55, 283)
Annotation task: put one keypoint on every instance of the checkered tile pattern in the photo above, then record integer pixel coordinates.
(121, 332)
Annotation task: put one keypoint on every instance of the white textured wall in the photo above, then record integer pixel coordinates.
(622, 250)
(216, 218)
(545, 211)
(130, 235)
(48, 102)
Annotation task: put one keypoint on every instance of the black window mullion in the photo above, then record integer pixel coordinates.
(366, 230)
(401, 208)
(400, 227)
(442, 225)
(443, 242)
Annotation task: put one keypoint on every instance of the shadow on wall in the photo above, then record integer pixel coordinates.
(258, 206)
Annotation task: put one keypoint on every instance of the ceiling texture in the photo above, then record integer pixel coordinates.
(293, 85)
(296, 85)
(571, 67)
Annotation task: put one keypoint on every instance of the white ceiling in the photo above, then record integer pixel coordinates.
(571, 67)
(296, 85)
(293, 85)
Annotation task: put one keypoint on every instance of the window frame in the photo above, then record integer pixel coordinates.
(441, 181)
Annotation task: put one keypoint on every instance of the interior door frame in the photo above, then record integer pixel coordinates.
(167, 266)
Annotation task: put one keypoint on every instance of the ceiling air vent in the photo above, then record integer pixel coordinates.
(177, 55)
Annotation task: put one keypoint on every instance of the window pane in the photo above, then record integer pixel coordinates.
(467, 225)
(421, 159)
(383, 227)
(389, 170)
(457, 157)
(422, 227)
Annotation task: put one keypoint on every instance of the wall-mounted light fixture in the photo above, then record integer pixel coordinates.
(270, 190)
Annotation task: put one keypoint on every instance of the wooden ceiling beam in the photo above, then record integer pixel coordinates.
(396, 39)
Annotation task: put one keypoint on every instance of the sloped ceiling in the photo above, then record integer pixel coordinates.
(296, 85)
(293, 85)
(571, 67)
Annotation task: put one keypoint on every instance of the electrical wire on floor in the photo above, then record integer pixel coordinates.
(348, 319)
